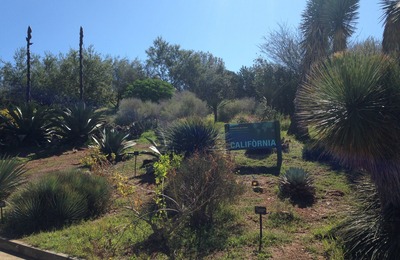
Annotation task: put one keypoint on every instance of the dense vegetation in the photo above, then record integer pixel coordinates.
(343, 102)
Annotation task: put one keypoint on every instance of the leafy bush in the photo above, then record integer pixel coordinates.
(114, 142)
(11, 172)
(26, 125)
(133, 110)
(235, 107)
(366, 233)
(183, 105)
(195, 196)
(191, 135)
(203, 183)
(56, 200)
(149, 90)
(78, 123)
(297, 185)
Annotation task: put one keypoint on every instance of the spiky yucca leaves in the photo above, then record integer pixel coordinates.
(297, 185)
(351, 103)
(78, 123)
(56, 200)
(11, 176)
(365, 234)
(192, 135)
(27, 125)
(391, 33)
(114, 142)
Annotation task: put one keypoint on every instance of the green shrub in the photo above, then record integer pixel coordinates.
(78, 123)
(367, 233)
(114, 142)
(239, 106)
(191, 135)
(11, 176)
(133, 110)
(297, 185)
(26, 125)
(56, 200)
(183, 105)
(149, 90)
(203, 183)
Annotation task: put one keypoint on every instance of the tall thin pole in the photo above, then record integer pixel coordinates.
(81, 64)
(28, 64)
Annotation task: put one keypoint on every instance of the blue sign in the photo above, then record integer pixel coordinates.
(251, 136)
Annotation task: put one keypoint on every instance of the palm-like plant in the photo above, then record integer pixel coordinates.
(391, 33)
(78, 123)
(192, 135)
(114, 142)
(11, 176)
(27, 125)
(324, 21)
(352, 103)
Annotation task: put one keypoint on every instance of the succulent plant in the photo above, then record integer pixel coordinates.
(297, 185)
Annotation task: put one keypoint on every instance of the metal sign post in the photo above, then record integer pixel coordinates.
(261, 211)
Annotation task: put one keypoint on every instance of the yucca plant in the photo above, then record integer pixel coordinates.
(365, 234)
(297, 185)
(11, 176)
(78, 123)
(27, 125)
(191, 135)
(55, 200)
(114, 142)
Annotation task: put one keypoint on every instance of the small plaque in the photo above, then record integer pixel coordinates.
(260, 210)
(2, 204)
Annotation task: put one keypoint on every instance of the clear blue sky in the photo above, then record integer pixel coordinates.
(229, 29)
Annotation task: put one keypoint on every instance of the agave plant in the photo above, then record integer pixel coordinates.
(114, 142)
(11, 176)
(297, 185)
(192, 135)
(27, 125)
(78, 123)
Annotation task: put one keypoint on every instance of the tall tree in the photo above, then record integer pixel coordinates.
(125, 73)
(341, 16)
(283, 47)
(391, 33)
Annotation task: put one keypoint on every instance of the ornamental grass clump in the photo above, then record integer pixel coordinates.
(297, 185)
(56, 200)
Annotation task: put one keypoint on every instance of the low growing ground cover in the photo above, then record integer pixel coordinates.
(289, 231)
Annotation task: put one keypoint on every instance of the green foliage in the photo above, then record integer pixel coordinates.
(191, 135)
(149, 90)
(351, 103)
(297, 185)
(26, 125)
(114, 142)
(182, 105)
(235, 107)
(366, 234)
(134, 110)
(56, 200)
(78, 123)
(11, 176)
(202, 184)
